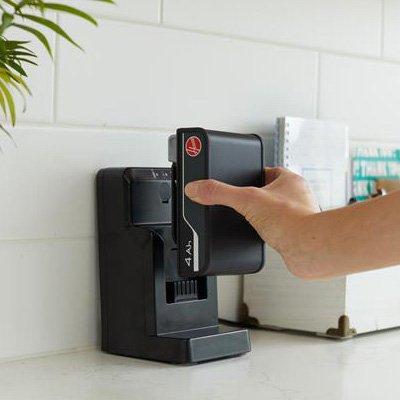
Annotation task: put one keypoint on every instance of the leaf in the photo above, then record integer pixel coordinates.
(39, 35)
(17, 88)
(22, 53)
(10, 3)
(15, 66)
(8, 76)
(3, 104)
(26, 60)
(26, 49)
(52, 26)
(13, 44)
(9, 101)
(6, 21)
(70, 10)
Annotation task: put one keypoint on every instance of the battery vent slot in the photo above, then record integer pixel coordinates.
(186, 290)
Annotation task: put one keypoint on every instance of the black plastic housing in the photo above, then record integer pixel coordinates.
(147, 309)
(215, 240)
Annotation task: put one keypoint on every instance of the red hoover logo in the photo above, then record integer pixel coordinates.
(193, 146)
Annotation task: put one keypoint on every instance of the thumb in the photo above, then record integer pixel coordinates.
(211, 192)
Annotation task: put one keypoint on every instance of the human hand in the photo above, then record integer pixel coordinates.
(276, 211)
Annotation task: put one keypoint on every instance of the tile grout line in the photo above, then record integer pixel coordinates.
(248, 39)
(388, 143)
(161, 12)
(67, 125)
(46, 239)
(318, 86)
(129, 129)
(55, 74)
(292, 46)
(383, 22)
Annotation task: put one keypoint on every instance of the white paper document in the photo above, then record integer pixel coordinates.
(319, 151)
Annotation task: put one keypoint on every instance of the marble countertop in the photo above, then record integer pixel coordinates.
(281, 366)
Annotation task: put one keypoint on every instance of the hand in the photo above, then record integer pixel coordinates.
(276, 211)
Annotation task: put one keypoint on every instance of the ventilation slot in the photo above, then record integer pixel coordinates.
(186, 290)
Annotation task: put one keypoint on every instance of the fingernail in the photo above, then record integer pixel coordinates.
(191, 189)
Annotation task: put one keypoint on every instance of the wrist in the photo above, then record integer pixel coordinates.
(298, 245)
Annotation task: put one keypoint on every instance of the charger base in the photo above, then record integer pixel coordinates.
(190, 347)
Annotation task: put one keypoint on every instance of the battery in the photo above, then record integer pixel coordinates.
(214, 240)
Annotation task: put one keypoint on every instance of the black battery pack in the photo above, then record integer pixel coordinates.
(215, 240)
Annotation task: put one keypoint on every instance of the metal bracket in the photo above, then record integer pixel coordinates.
(343, 331)
(246, 318)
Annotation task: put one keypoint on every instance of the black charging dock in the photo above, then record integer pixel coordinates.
(149, 308)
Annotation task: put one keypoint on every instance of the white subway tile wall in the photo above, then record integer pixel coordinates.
(340, 25)
(126, 10)
(150, 67)
(48, 181)
(391, 47)
(173, 78)
(364, 93)
(49, 295)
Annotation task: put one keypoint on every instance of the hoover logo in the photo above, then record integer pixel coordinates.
(193, 146)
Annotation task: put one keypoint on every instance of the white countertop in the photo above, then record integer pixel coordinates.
(281, 366)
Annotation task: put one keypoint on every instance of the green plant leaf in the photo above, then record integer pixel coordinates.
(26, 49)
(3, 104)
(70, 10)
(52, 26)
(39, 35)
(8, 76)
(16, 54)
(26, 60)
(10, 3)
(6, 21)
(14, 44)
(15, 66)
(3, 107)
(18, 89)
(9, 100)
